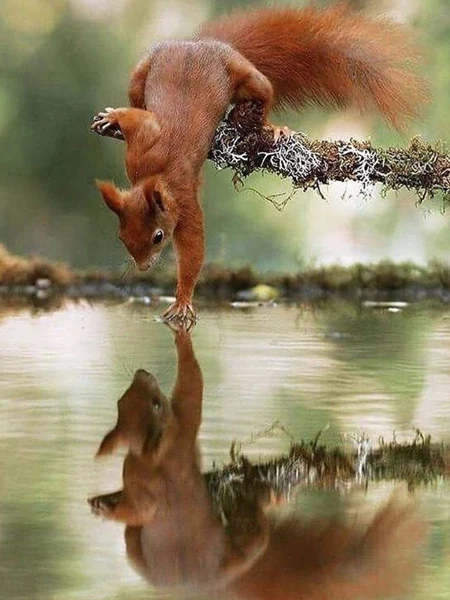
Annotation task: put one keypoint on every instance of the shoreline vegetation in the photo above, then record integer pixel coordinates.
(37, 280)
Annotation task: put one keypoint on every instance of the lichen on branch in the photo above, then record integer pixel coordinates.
(314, 465)
(242, 145)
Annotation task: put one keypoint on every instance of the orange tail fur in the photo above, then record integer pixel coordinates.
(332, 57)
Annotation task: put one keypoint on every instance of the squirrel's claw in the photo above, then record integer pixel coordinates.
(181, 313)
(104, 505)
(179, 329)
(105, 123)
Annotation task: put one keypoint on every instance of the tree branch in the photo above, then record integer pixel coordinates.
(241, 143)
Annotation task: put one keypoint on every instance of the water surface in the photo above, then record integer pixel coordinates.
(341, 368)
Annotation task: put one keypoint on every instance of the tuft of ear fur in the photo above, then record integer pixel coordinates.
(111, 195)
(110, 442)
(153, 196)
(157, 197)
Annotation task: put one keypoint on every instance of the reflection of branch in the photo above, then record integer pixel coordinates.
(240, 144)
(316, 466)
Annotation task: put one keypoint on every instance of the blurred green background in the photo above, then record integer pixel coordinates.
(63, 60)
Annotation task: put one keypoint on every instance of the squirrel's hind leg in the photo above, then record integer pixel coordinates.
(136, 88)
(251, 85)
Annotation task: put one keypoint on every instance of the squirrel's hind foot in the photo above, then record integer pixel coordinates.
(279, 131)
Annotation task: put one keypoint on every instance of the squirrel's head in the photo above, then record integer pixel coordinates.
(143, 413)
(146, 222)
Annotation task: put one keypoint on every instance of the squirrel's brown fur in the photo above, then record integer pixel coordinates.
(275, 56)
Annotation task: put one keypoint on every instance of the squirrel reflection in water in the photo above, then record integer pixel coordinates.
(178, 537)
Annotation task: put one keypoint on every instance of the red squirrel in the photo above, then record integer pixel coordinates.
(178, 94)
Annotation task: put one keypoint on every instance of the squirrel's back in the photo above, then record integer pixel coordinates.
(333, 56)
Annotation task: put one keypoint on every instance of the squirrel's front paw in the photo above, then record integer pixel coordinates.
(182, 313)
(106, 123)
(104, 505)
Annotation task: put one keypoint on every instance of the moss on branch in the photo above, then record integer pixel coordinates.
(240, 144)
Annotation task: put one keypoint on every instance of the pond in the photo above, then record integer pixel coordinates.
(271, 375)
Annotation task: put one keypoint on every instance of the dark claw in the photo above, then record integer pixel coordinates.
(180, 314)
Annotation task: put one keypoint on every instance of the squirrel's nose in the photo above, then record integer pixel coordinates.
(143, 265)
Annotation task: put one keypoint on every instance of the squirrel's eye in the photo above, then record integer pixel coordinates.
(156, 403)
(158, 237)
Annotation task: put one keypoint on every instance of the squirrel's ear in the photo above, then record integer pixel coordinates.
(111, 195)
(110, 442)
(154, 196)
(159, 201)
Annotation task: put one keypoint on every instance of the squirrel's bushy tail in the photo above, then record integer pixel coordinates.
(339, 561)
(328, 57)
